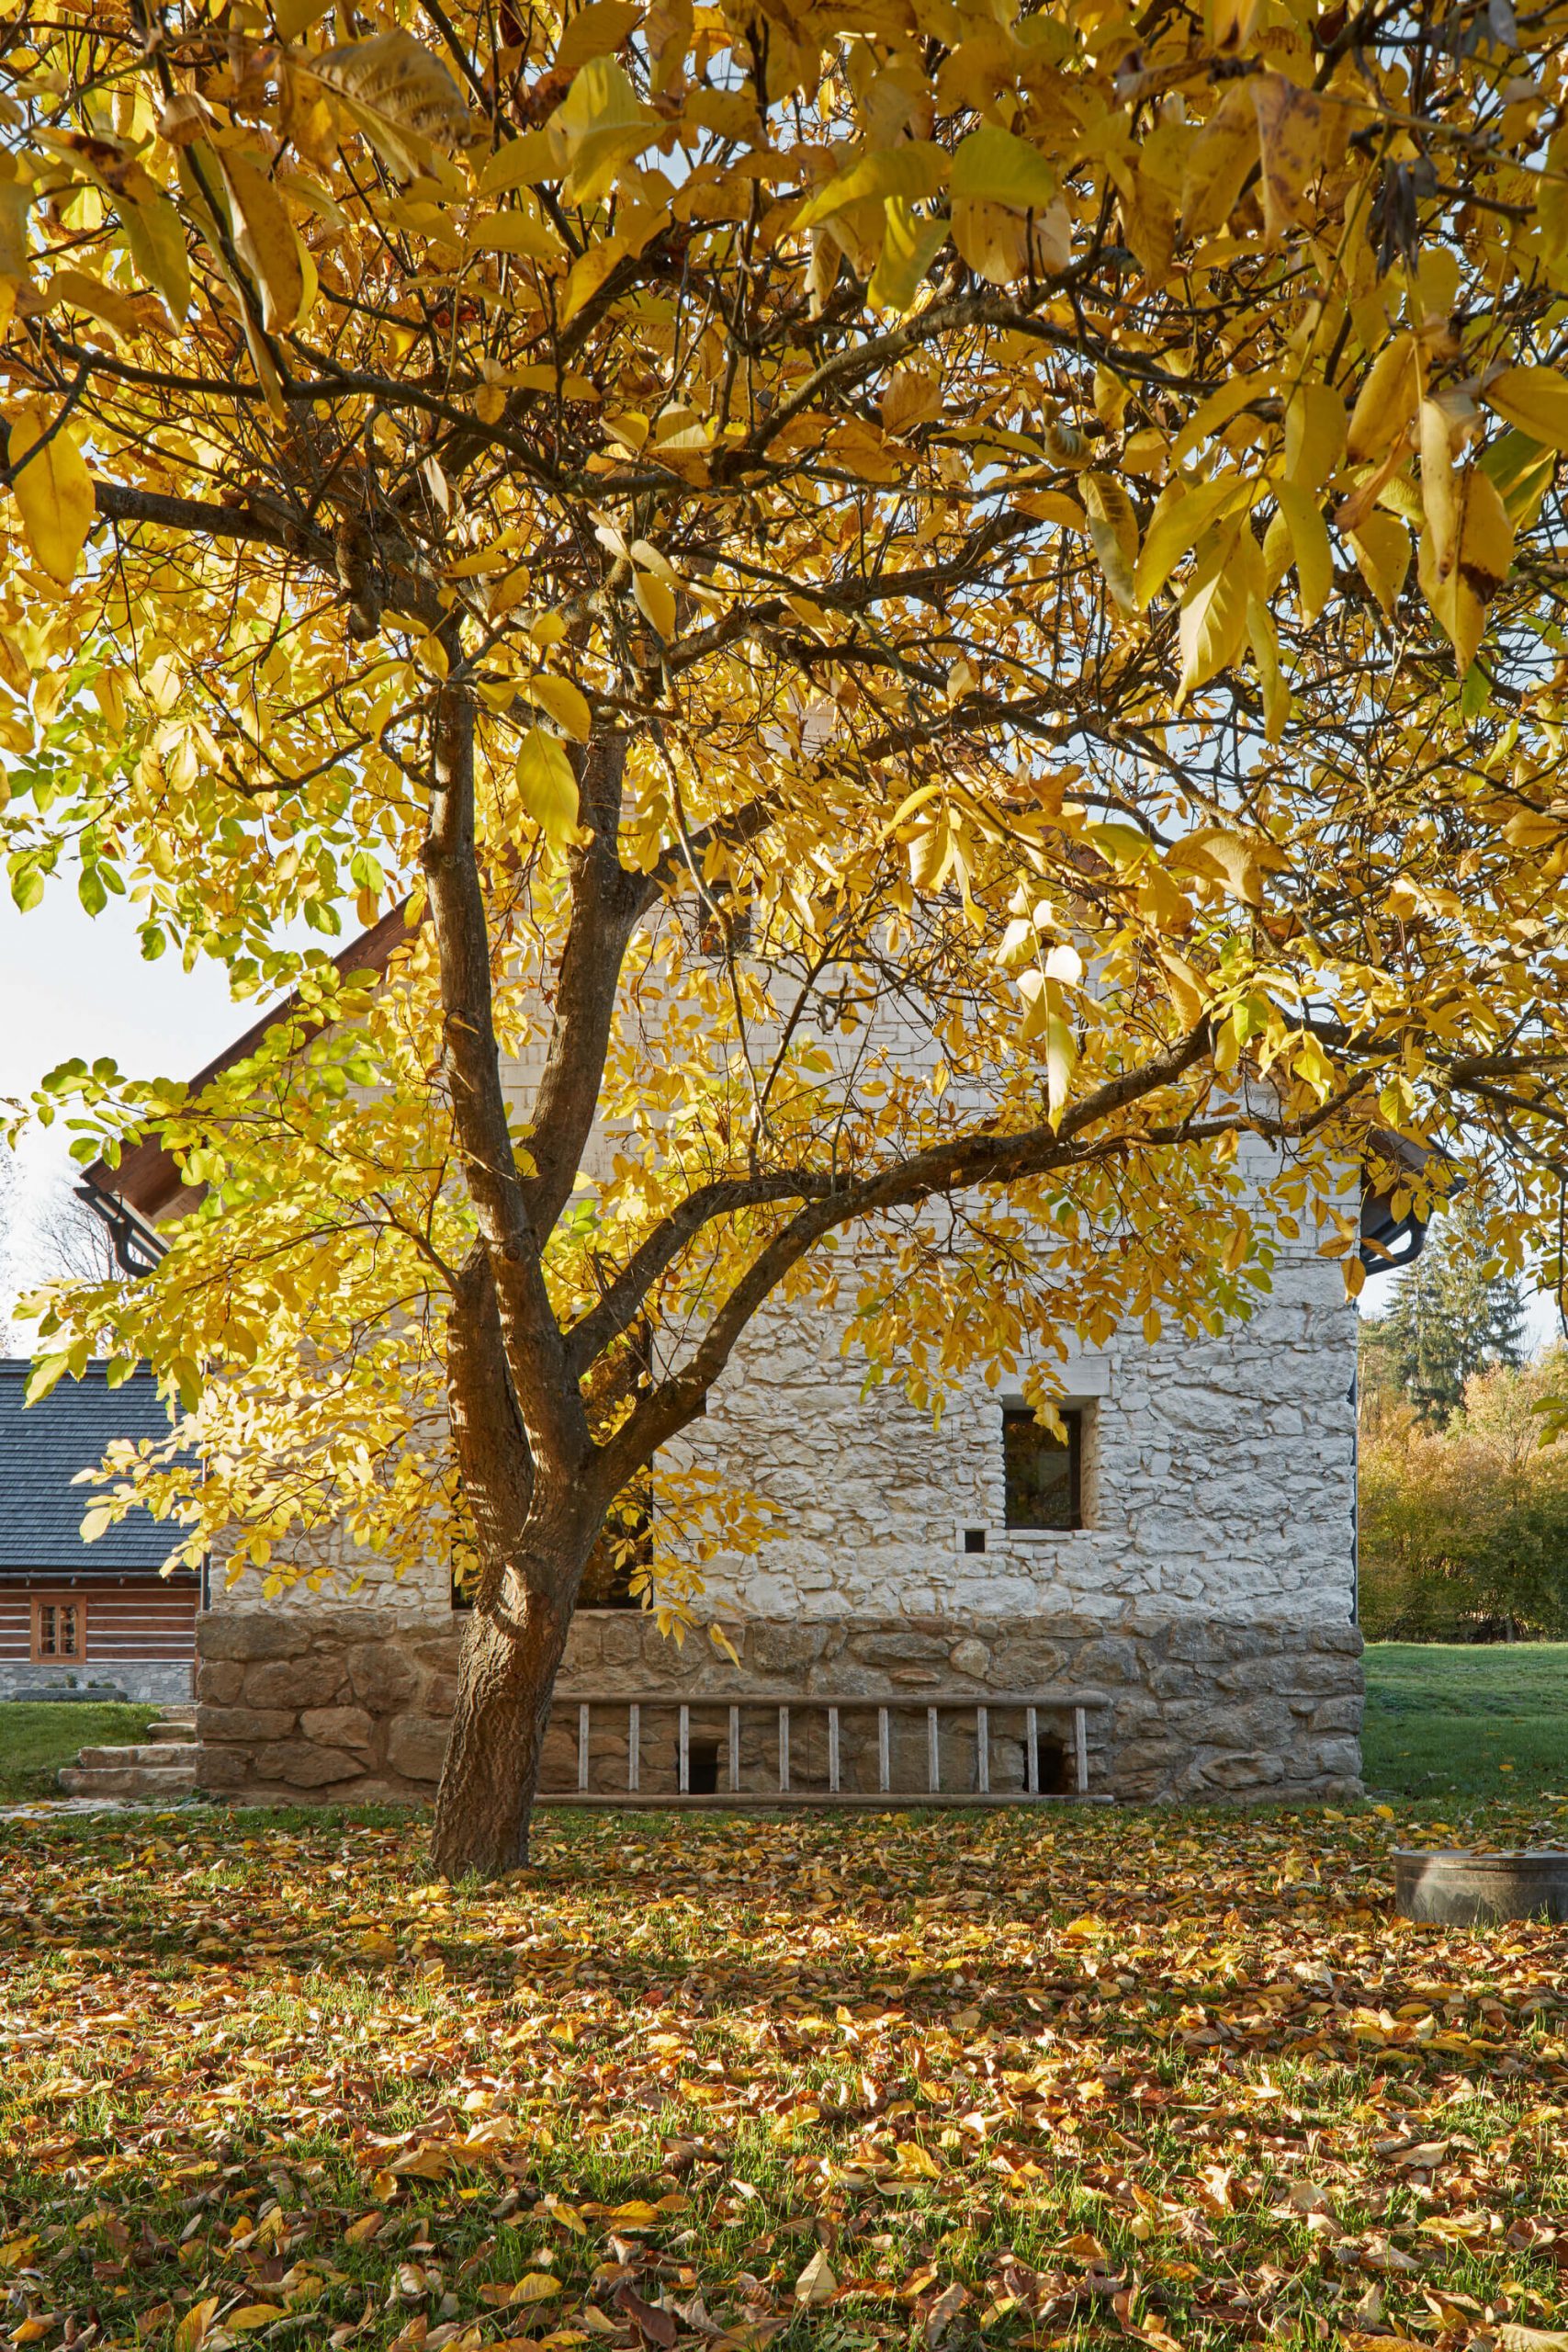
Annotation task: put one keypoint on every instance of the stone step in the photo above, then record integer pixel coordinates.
(157, 1781)
(166, 1757)
(171, 1730)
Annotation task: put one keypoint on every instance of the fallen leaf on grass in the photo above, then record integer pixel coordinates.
(943, 2311)
(657, 2325)
(816, 2283)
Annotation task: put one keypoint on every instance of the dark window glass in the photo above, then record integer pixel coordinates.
(1044, 1473)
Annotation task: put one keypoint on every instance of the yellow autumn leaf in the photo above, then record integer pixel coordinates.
(1218, 163)
(264, 241)
(657, 600)
(157, 241)
(599, 126)
(1534, 401)
(1439, 496)
(1185, 986)
(916, 168)
(517, 232)
(250, 2316)
(595, 31)
(194, 2326)
(566, 704)
(1482, 550)
(1214, 609)
(1382, 551)
(1309, 546)
(1315, 433)
(1181, 515)
(909, 244)
(538, 2286)
(815, 2283)
(1264, 640)
(1216, 411)
(1113, 531)
(518, 162)
(995, 167)
(547, 786)
(84, 292)
(53, 492)
(1061, 1049)
(1290, 139)
(1387, 400)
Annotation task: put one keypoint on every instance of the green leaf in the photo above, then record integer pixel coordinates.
(91, 891)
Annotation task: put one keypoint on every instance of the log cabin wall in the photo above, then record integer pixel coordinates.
(96, 1618)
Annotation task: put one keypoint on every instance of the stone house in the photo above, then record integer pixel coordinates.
(1163, 1607)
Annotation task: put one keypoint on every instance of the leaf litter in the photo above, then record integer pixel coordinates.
(1170, 2079)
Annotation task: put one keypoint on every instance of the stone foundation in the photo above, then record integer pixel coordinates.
(330, 1706)
(159, 1682)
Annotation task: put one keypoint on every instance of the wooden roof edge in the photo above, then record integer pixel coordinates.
(148, 1178)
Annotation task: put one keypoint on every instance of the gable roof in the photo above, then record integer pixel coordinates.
(42, 1447)
(148, 1178)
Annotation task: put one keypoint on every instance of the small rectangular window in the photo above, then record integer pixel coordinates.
(1043, 1472)
(60, 1630)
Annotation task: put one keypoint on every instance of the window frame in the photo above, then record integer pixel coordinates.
(73, 1600)
(1076, 1418)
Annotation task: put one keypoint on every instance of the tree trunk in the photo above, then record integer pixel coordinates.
(486, 1798)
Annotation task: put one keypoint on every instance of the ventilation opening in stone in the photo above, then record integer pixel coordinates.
(1051, 1763)
(702, 1768)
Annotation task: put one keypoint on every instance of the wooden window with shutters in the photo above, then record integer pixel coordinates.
(60, 1628)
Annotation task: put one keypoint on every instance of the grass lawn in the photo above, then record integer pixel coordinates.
(35, 1741)
(920, 2082)
(1446, 1720)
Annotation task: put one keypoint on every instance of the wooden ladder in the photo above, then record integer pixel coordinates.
(1030, 1704)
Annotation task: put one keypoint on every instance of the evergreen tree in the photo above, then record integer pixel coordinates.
(1453, 1314)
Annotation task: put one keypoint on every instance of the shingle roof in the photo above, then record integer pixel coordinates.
(42, 1447)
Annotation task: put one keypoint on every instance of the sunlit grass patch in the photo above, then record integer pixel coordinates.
(919, 2081)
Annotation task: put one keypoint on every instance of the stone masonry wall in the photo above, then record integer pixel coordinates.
(351, 1705)
(157, 1682)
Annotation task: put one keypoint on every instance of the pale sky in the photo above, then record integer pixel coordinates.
(70, 983)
